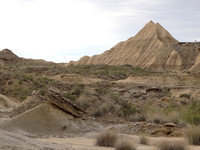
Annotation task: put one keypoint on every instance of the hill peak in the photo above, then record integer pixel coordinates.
(7, 56)
(154, 31)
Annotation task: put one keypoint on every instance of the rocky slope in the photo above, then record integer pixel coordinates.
(153, 47)
(8, 57)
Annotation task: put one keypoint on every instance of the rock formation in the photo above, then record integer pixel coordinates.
(8, 57)
(153, 47)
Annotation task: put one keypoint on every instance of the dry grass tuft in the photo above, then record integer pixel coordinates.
(168, 145)
(107, 139)
(143, 140)
(193, 135)
(125, 145)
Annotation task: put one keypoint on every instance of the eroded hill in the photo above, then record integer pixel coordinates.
(152, 47)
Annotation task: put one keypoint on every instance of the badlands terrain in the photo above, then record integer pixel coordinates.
(147, 86)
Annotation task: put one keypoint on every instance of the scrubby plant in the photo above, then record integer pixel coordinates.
(102, 91)
(83, 101)
(193, 135)
(192, 113)
(168, 145)
(103, 109)
(70, 96)
(128, 109)
(78, 90)
(107, 139)
(42, 91)
(125, 145)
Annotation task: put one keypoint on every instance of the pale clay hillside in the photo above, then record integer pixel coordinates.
(152, 47)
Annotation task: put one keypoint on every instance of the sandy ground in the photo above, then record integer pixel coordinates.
(88, 142)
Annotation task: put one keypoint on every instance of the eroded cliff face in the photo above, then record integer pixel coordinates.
(152, 47)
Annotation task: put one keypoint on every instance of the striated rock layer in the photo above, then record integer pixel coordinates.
(152, 47)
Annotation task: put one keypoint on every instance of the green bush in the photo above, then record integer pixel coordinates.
(102, 110)
(42, 92)
(70, 96)
(192, 113)
(128, 109)
(193, 135)
(78, 90)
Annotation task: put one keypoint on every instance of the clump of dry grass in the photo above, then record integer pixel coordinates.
(102, 110)
(143, 140)
(125, 145)
(193, 135)
(169, 145)
(107, 139)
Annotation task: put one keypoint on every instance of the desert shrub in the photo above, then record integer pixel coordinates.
(83, 101)
(107, 139)
(143, 140)
(193, 135)
(42, 91)
(70, 96)
(191, 114)
(101, 91)
(125, 145)
(78, 90)
(128, 109)
(103, 109)
(168, 145)
(117, 98)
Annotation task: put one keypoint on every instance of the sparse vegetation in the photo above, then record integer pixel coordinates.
(125, 145)
(192, 113)
(70, 96)
(128, 109)
(101, 71)
(107, 139)
(102, 91)
(193, 135)
(102, 110)
(168, 145)
(83, 101)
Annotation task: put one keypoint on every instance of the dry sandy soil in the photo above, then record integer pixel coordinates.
(86, 142)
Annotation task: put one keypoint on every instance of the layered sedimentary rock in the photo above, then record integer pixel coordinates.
(152, 47)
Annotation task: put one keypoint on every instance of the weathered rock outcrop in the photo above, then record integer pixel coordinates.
(153, 47)
(8, 57)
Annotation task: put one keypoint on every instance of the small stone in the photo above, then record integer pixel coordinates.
(127, 95)
(170, 124)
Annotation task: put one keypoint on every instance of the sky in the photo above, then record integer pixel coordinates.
(64, 30)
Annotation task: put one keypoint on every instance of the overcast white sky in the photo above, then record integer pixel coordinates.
(64, 30)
